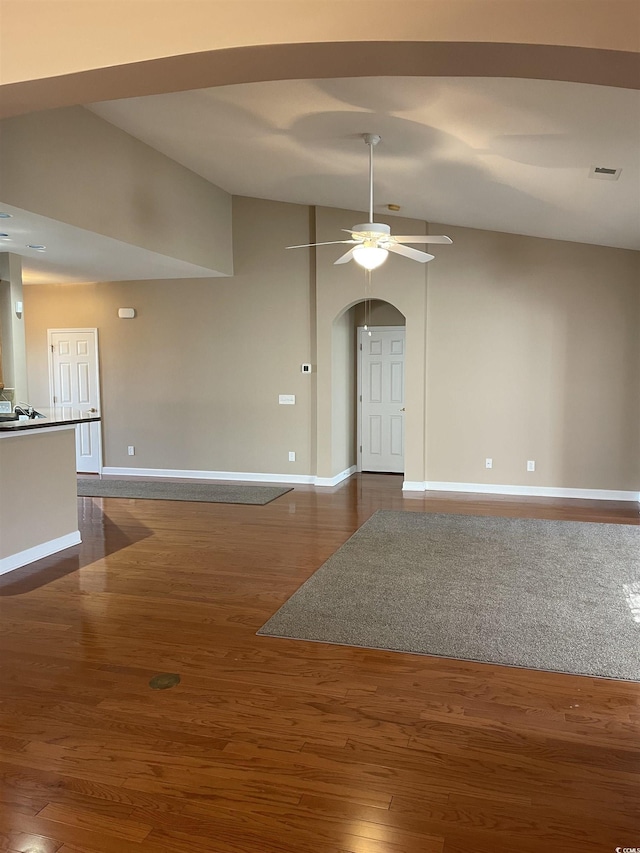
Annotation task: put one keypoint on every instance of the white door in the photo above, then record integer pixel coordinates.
(381, 375)
(73, 359)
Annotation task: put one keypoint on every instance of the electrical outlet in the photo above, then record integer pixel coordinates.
(531, 465)
(131, 450)
(488, 463)
(292, 456)
(5, 407)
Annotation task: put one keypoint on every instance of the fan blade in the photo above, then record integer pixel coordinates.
(408, 252)
(330, 243)
(422, 238)
(343, 259)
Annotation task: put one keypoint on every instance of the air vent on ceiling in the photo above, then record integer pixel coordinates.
(604, 173)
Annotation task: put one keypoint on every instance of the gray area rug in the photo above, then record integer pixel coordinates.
(163, 490)
(551, 595)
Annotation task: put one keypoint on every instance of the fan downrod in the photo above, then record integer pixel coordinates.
(376, 236)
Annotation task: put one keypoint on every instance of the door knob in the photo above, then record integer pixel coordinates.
(95, 410)
(402, 409)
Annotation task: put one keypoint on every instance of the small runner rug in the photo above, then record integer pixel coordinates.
(550, 595)
(163, 490)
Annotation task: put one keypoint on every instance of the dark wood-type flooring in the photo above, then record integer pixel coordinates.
(276, 746)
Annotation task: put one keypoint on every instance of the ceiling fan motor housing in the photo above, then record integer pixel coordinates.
(372, 241)
(370, 231)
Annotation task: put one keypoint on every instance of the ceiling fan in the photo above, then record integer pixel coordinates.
(372, 241)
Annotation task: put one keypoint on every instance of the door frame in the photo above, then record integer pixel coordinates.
(67, 329)
(359, 330)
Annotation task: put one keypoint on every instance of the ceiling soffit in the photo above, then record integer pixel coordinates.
(324, 60)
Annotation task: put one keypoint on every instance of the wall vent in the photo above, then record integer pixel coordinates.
(604, 173)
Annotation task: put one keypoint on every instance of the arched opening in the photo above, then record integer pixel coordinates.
(367, 388)
(380, 391)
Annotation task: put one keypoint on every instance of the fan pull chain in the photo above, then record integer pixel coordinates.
(367, 301)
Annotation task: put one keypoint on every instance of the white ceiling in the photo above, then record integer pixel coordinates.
(75, 255)
(494, 153)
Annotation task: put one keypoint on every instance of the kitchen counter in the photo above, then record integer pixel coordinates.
(38, 486)
(61, 416)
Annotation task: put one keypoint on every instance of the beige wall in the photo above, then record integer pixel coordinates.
(517, 348)
(193, 381)
(532, 354)
(377, 313)
(12, 327)
(6, 336)
(343, 392)
(44, 38)
(129, 191)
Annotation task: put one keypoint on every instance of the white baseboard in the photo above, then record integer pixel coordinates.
(246, 476)
(333, 481)
(413, 486)
(523, 491)
(30, 555)
(208, 475)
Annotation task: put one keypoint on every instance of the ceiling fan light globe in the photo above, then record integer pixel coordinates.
(369, 257)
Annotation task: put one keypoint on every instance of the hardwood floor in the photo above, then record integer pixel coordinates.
(276, 746)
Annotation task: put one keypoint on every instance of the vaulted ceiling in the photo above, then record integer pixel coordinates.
(501, 154)
(493, 113)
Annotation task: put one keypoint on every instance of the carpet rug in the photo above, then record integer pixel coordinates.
(163, 490)
(550, 595)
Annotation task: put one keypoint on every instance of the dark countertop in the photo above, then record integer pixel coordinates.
(61, 416)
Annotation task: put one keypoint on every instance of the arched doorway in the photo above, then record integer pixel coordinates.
(380, 392)
(344, 395)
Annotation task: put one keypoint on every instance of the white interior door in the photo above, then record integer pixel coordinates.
(381, 374)
(73, 358)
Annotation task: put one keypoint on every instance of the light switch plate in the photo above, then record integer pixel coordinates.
(5, 407)
(287, 399)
